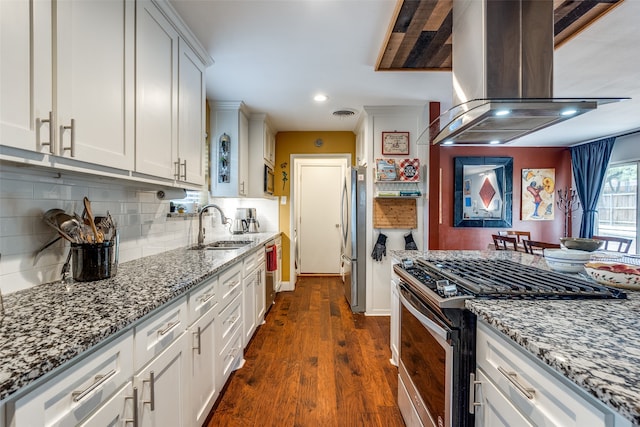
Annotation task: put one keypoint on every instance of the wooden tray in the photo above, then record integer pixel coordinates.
(395, 213)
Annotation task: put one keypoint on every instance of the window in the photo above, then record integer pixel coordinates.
(618, 204)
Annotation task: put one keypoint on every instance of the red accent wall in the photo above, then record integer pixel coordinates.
(442, 234)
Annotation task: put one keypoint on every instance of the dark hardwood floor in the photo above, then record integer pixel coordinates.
(314, 363)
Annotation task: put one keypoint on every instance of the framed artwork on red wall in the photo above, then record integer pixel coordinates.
(395, 143)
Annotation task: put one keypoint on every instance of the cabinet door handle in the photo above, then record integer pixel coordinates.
(206, 297)
(513, 379)
(199, 346)
(169, 326)
(97, 382)
(51, 127)
(152, 393)
(472, 393)
(184, 165)
(176, 174)
(133, 420)
(233, 284)
(72, 145)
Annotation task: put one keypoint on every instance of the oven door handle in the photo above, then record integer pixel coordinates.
(440, 330)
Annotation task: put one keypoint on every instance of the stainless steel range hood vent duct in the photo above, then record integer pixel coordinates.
(503, 74)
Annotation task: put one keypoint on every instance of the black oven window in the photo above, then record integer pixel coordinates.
(425, 361)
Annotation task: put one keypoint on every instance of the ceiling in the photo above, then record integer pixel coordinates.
(275, 55)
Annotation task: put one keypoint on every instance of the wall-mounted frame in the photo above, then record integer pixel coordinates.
(483, 192)
(395, 143)
(538, 194)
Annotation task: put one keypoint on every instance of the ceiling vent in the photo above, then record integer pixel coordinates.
(344, 112)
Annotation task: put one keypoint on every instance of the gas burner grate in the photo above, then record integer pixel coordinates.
(507, 279)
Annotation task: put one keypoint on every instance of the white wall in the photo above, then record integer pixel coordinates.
(27, 192)
(389, 119)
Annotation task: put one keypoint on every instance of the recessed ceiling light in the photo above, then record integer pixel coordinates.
(494, 142)
(503, 112)
(568, 112)
(448, 142)
(320, 98)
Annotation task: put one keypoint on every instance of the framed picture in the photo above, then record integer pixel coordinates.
(395, 143)
(538, 194)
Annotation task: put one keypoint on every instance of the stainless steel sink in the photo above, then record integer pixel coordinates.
(224, 245)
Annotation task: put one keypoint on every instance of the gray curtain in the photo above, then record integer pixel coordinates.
(589, 163)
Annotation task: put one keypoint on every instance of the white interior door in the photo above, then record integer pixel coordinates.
(319, 183)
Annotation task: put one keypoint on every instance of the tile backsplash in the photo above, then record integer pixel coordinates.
(26, 193)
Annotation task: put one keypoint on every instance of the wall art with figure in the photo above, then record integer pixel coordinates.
(538, 189)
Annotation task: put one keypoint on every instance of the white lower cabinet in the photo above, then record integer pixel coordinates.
(249, 305)
(261, 295)
(162, 387)
(71, 396)
(167, 370)
(496, 410)
(253, 296)
(515, 389)
(229, 341)
(394, 340)
(202, 369)
(120, 410)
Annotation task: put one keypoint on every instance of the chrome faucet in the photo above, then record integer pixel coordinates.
(223, 219)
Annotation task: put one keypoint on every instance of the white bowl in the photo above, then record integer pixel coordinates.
(566, 260)
(614, 274)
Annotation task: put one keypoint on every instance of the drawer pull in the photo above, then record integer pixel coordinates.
(152, 393)
(197, 334)
(233, 284)
(97, 382)
(206, 297)
(513, 379)
(231, 320)
(133, 420)
(472, 393)
(169, 326)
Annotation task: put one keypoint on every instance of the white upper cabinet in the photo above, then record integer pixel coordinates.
(117, 84)
(191, 118)
(25, 74)
(156, 90)
(229, 149)
(67, 79)
(95, 81)
(262, 143)
(170, 107)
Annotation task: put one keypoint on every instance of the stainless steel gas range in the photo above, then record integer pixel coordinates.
(437, 334)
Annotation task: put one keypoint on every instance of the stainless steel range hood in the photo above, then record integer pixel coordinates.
(503, 74)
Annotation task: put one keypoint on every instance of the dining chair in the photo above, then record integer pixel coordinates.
(618, 244)
(537, 248)
(520, 235)
(503, 243)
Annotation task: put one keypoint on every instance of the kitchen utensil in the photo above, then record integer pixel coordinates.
(252, 225)
(615, 274)
(566, 260)
(582, 244)
(239, 226)
(71, 227)
(91, 261)
(53, 218)
(96, 237)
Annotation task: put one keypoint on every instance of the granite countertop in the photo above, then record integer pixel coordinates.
(593, 343)
(50, 324)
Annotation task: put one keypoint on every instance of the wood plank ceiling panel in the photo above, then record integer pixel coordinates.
(420, 35)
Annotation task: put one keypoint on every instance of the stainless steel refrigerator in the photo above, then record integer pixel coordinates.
(353, 221)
